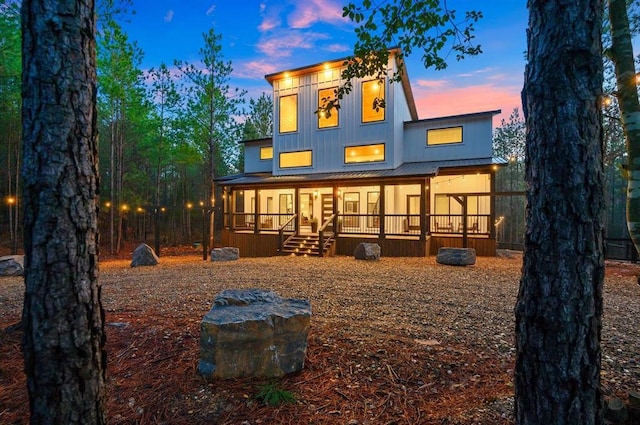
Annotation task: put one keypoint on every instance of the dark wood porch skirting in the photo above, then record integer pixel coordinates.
(266, 245)
(389, 247)
(485, 247)
(251, 244)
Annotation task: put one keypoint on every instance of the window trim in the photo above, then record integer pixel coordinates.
(384, 97)
(295, 166)
(264, 148)
(446, 128)
(384, 153)
(334, 110)
(295, 95)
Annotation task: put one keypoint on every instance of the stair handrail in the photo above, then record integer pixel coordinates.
(321, 234)
(281, 243)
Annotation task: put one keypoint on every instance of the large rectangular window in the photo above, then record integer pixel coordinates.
(351, 210)
(373, 101)
(295, 159)
(329, 118)
(289, 113)
(368, 153)
(373, 209)
(442, 136)
(266, 152)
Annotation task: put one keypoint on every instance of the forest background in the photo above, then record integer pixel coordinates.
(164, 135)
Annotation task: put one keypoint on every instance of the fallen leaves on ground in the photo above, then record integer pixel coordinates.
(395, 341)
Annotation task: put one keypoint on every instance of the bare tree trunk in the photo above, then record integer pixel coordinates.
(120, 171)
(63, 317)
(622, 56)
(112, 178)
(559, 307)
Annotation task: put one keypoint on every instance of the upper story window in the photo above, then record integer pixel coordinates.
(266, 152)
(442, 136)
(295, 159)
(289, 113)
(373, 101)
(368, 153)
(330, 118)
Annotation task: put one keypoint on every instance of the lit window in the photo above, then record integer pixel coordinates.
(441, 136)
(266, 152)
(295, 159)
(373, 102)
(327, 119)
(368, 153)
(289, 113)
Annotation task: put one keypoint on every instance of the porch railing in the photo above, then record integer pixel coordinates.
(288, 226)
(266, 222)
(369, 224)
(321, 241)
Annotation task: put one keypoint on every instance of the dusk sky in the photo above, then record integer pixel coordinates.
(263, 37)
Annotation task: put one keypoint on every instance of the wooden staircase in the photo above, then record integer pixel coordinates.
(308, 245)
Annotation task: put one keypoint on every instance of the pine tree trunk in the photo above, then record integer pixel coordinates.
(622, 56)
(559, 307)
(62, 316)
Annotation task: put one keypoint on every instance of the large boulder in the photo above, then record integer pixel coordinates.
(367, 251)
(144, 255)
(227, 253)
(12, 265)
(456, 256)
(255, 333)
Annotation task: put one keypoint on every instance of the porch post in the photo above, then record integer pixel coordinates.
(383, 231)
(335, 210)
(256, 215)
(423, 210)
(492, 204)
(465, 239)
(296, 209)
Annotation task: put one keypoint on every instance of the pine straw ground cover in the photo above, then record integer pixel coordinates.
(398, 341)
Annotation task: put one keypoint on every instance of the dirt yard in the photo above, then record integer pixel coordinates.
(398, 341)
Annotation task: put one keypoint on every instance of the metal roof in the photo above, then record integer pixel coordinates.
(408, 169)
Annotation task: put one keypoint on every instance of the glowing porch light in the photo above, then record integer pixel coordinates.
(11, 200)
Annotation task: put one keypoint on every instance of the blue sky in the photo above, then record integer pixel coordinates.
(267, 36)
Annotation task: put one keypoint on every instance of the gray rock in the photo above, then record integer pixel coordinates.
(226, 253)
(367, 251)
(456, 256)
(254, 333)
(144, 255)
(12, 265)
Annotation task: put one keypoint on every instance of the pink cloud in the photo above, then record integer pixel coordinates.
(337, 48)
(308, 12)
(431, 83)
(254, 69)
(282, 43)
(268, 23)
(440, 101)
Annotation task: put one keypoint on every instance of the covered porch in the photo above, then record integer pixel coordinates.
(407, 217)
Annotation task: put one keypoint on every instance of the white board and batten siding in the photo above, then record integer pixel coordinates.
(252, 161)
(476, 138)
(328, 144)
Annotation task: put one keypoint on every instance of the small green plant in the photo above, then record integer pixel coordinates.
(271, 395)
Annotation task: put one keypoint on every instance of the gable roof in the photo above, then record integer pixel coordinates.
(337, 63)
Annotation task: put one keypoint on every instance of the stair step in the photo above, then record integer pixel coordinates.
(305, 245)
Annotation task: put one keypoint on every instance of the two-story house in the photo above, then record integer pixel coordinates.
(361, 173)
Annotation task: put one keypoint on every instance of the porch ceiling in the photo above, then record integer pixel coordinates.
(408, 169)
